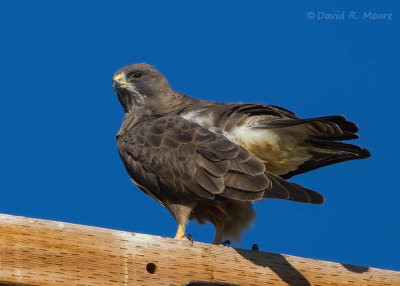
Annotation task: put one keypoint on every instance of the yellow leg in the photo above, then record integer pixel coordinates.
(219, 229)
(180, 234)
(181, 214)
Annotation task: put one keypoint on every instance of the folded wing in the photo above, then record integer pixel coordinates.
(176, 160)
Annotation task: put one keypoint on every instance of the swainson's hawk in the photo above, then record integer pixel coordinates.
(209, 160)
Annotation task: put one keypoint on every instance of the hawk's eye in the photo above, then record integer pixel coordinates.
(137, 75)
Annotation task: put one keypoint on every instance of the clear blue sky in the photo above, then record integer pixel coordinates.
(59, 116)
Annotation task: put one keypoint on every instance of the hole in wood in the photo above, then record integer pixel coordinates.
(151, 268)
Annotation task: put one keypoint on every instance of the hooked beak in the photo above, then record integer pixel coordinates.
(119, 83)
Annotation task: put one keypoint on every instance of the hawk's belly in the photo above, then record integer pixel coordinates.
(280, 149)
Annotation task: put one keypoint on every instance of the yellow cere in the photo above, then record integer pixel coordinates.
(118, 78)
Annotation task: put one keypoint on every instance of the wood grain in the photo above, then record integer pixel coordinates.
(41, 252)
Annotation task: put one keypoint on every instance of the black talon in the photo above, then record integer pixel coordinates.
(254, 247)
(190, 238)
(226, 243)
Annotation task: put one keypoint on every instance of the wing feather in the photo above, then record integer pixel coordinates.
(175, 159)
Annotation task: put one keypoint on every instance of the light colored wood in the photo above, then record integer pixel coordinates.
(40, 252)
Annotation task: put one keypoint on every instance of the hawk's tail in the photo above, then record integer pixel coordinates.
(282, 189)
(320, 136)
(326, 153)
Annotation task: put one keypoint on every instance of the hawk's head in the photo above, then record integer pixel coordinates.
(138, 84)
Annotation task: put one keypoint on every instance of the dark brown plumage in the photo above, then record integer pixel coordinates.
(208, 161)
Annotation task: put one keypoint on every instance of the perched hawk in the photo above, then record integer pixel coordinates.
(209, 161)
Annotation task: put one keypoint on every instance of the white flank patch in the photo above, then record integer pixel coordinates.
(256, 136)
(203, 120)
(282, 149)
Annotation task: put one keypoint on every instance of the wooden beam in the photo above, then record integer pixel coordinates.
(41, 252)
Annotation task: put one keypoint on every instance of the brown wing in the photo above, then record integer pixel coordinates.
(175, 160)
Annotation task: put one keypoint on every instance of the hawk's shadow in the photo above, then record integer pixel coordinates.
(278, 264)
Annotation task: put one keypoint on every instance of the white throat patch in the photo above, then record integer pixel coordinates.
(138, 97)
